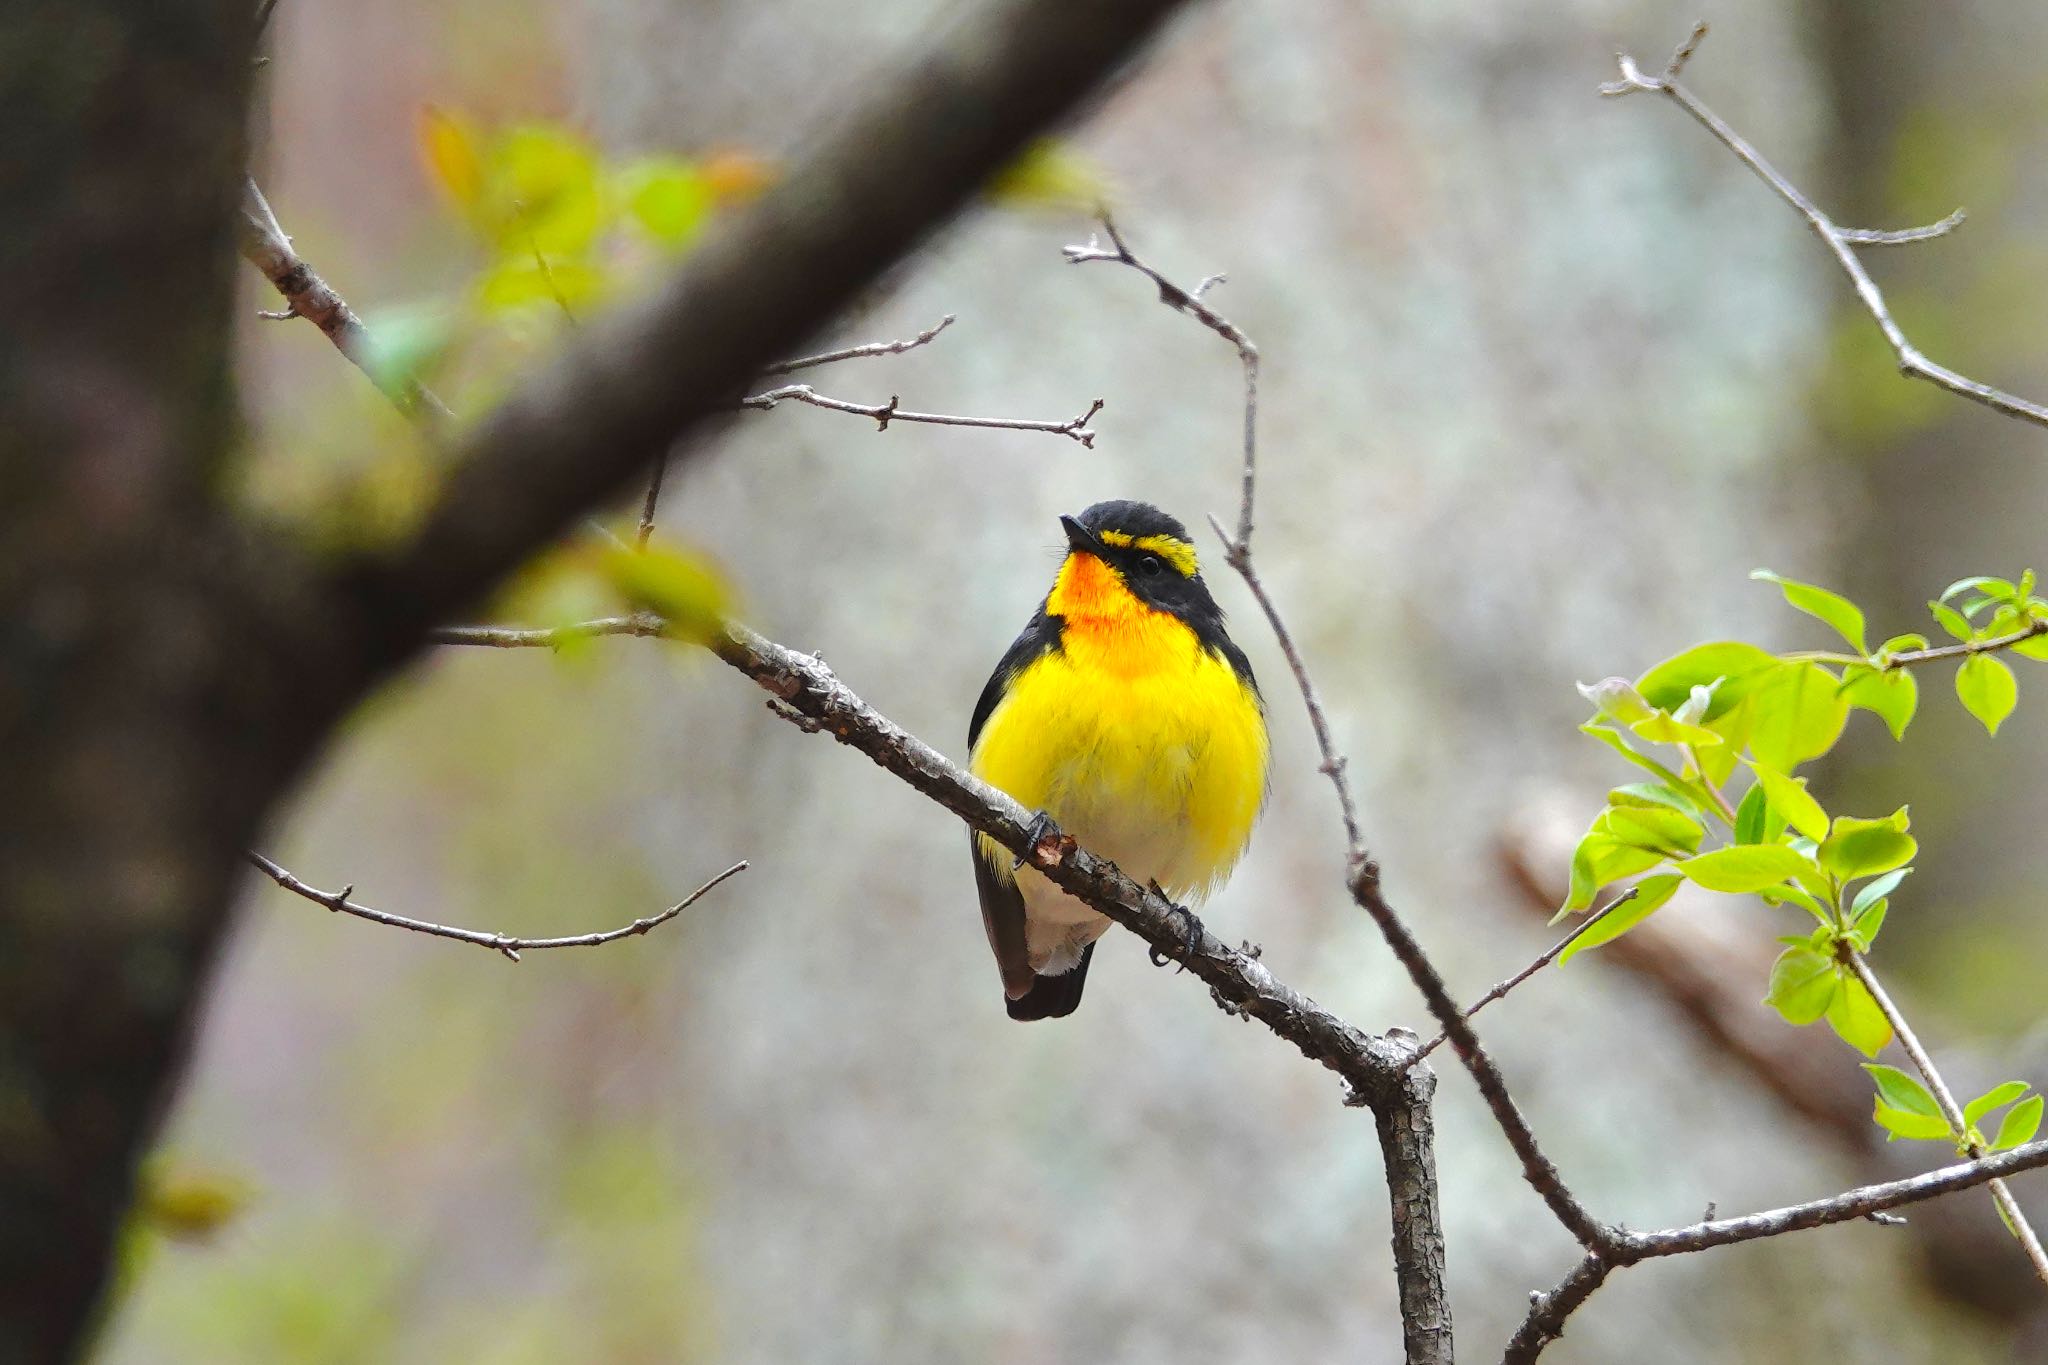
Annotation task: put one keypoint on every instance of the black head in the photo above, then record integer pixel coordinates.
(1151, 553)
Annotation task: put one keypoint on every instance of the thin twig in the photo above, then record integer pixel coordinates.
(1550, 955)
(1923, 1062)
(1906, 658)
(1189, 301)
(1547, 1312)
(1840, 242)
(884, 413)
(647, 505)
(308, 296)
(644, 623)
(873, 348)
(510, 946)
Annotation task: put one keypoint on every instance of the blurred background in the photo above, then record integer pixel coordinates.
(1546, 376)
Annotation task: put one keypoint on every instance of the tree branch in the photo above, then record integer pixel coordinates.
(888, 172)
(884, 413)
(510, 946)
(1547, 1312)
(1945, 1100)
(873, 348)
(1549, 955)
(1841, 242)
(1963, 649)
(306, 295)
(1408, 1145)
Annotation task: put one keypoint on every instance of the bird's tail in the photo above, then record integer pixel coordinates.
(1053, 997)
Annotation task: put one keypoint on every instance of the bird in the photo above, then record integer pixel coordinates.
(1126, 717)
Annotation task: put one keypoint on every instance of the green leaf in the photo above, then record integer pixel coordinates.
(1903, 1125)
(1654, 827)
(1651, 893)
(1670, 683)
(1997, 1097)
(1950, 620)
(1838, 611)
(678, 584)
(1659, 728)
(1856, 1018)
(1799, 713)
(1599, 860)
(1987, 689)
(1801, 897)
(1752, 817)
(2021, 1122)
(1991, 587)
(408, 343)
(1745, 868)
(1902, 1090)
(1892, 696)
(1877, 889)
(1611, 737)
(2036, 648)
(669, 199)
(1803, 985)
(1863, 848)
(1789, 797)
(1651, 794)
(1866, 925)
(1899, 644)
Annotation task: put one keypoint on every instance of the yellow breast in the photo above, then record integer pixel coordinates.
(1138, 741)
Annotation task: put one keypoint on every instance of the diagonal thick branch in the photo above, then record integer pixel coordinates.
(1841, 242)
(507, 944)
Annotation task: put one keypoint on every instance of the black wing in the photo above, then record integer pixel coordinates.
(1002, 904)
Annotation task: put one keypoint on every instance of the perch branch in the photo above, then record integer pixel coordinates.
(1841, 242)
(507, 944)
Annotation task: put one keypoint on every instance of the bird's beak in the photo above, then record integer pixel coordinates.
(1080, 539)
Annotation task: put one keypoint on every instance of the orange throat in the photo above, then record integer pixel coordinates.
(1106, 625)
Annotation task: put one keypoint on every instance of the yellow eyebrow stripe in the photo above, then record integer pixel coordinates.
(1178, 553)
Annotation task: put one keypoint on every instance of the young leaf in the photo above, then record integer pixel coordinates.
(667, 198)
(1751, 816)
(680, 585)
(1868, 923)
(2021, 1122)
(1651, 893)
(1799, 712)
(1651, 794)
(1903, 1125)
(1838, 611)
(1745, 868)
(1657, 828)
(1729, 662)
(1892, 696)
(1611, 737)
(1996, 1097)
(1862, 848)
(1996, 588)
(2036, 648)
(1950, 619)
(1799, 896)
(1877, 889)
(1803, 985)
(1599, 860)
(448, 145)
(1789, 797)
(1659, 728)
(1856, 1019)
(1902, 1090)
(1987, 689)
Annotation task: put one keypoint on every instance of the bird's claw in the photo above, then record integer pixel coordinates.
(1194, 934)
(1039, 831)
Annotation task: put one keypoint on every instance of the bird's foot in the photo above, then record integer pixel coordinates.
(1040, 832)
(1193, 941)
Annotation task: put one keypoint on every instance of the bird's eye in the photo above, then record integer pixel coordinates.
(1150, 565)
